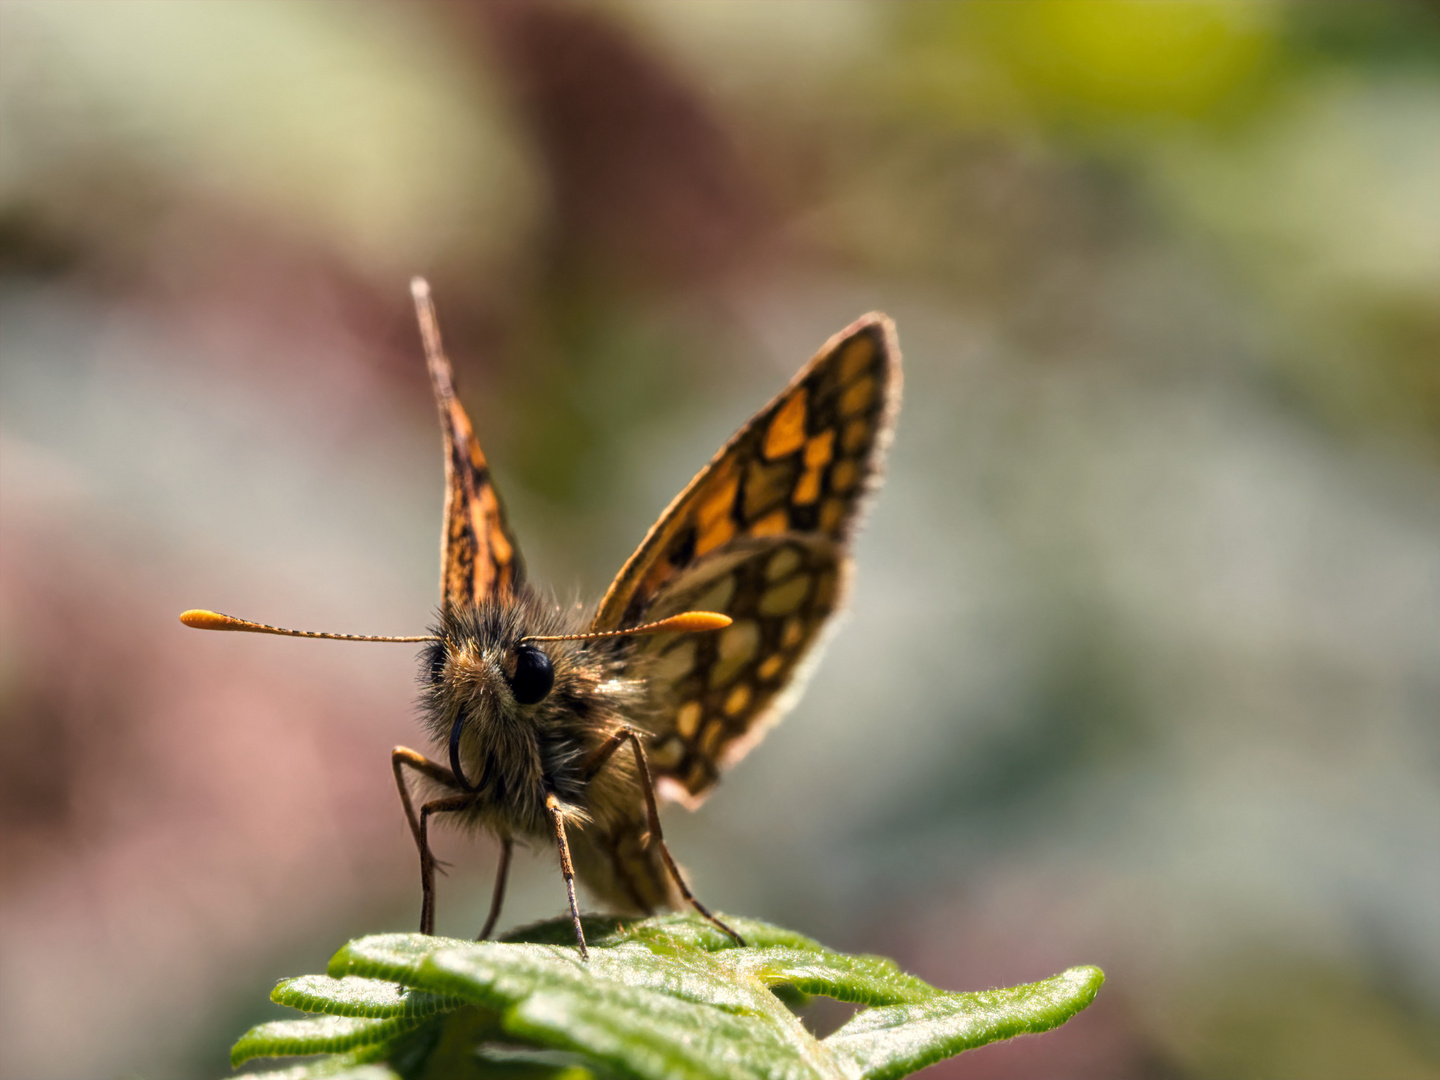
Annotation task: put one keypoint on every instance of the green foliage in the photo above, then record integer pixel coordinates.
(666, 997)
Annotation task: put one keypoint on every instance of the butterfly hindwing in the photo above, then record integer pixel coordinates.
(478, 553)
(716, 694)
(762, 535)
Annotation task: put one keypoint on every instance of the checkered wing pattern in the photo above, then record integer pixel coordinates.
(479, 557)
(761, 534)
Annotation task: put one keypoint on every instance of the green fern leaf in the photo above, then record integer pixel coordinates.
(666, 997)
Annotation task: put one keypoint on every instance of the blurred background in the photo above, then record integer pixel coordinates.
(1143, 663)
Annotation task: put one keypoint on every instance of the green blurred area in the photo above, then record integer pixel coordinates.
(1144, 657)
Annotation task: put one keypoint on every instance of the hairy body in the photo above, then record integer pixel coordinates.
(516, 756)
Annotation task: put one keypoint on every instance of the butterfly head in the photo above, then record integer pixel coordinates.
(509, 680)
(491, 694)
(483, 652)
(505, 677)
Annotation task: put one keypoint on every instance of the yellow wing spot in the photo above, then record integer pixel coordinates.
(772, 524)
(832, 513)
(737, 700)
(710, 740)
(698, 778)
(722, 531)
(500, 549)
(820, 449)
(784, 598)
(688, 718)
(738, 644)
(844, 475)
(717, 597)
(825, 589)
(765, 485)
(857, 396)
(818, 452)
(465, 434)
(857, 357)
(668, 754)
(479, 517)
(793, 632)
(808, 489)
(771, 667)
(718, 500)
(857, 435)
(657, 575)
(675, 663)
(786, 433)
(781, 564)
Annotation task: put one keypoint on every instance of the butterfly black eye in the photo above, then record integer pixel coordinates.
(533, 676)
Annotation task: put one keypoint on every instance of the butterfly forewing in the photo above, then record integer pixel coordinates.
(478, 554)
(760, 534)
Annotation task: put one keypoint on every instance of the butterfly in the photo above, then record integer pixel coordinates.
(553, 726)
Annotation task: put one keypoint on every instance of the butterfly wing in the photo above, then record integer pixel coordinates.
(478, 553)
(761, 534)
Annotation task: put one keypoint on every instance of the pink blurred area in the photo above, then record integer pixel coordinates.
(166, 793)
(1142, 666)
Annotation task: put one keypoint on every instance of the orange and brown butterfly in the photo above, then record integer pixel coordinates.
(557, 727)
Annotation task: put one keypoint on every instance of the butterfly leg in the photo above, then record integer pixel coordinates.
(449, 804)
(652, 814)
(403, 756)
(502, 875)
(557, 817)
(400, 758)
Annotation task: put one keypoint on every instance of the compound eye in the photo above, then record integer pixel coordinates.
(534, 676)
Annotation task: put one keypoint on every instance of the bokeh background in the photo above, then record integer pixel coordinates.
(1143, 663)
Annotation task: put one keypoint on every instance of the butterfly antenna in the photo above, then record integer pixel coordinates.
(200, 619)
(687, 622)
